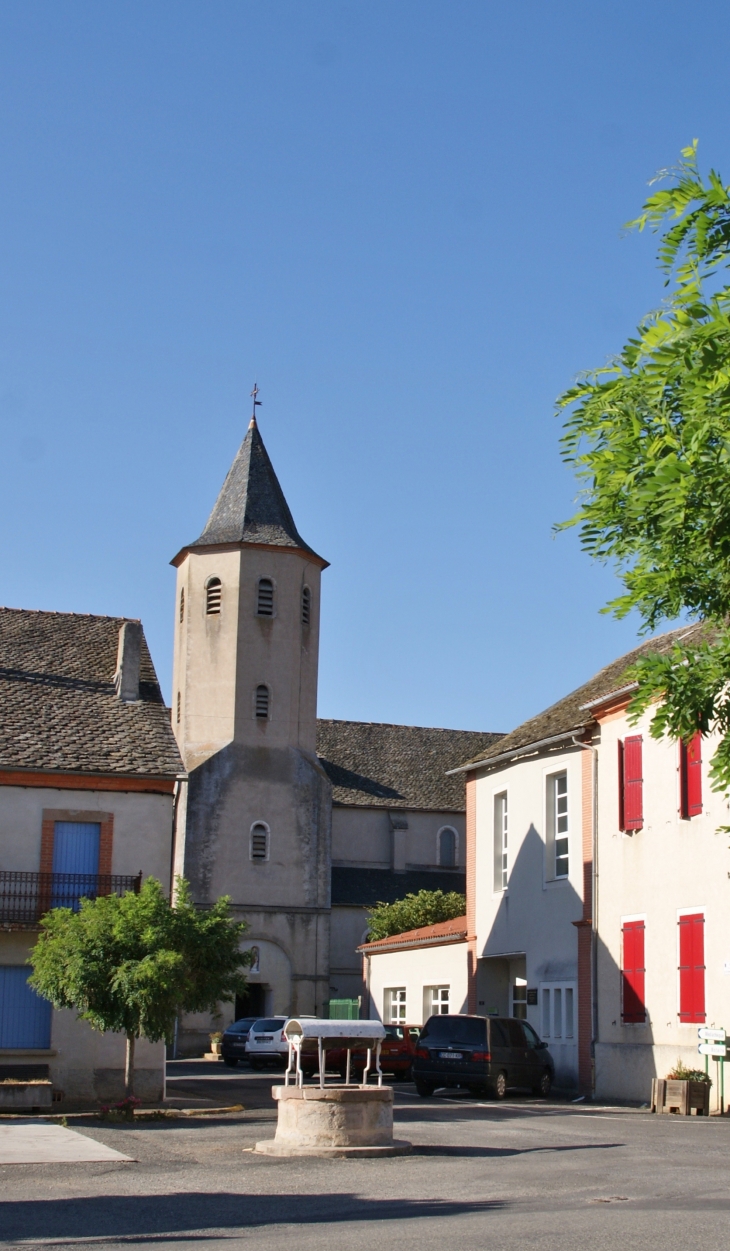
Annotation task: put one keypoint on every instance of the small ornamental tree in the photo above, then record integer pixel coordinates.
(131, 962)
(426, 908)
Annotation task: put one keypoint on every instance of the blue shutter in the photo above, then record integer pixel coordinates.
(75, 851)
(25, 1018)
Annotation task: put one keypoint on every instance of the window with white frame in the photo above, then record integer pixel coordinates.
(519, 998)
(500, 841)
(557, 837)
(436, 1000)
(395, 1005)
(557, 1011)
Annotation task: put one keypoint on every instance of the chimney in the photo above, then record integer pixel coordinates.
(126, 678)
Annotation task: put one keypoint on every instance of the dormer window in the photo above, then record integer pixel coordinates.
(265, 598)
(213, 591)
(306, 606)
(262, 703)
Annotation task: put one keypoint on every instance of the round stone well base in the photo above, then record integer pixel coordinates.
(336, 1121)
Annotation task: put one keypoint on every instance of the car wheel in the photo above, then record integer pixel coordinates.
(256, 1064)
(500, 1086)
(230, 1061)
(424, 1089)
(544, 1086)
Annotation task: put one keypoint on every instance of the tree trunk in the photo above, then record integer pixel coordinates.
(129, 1067)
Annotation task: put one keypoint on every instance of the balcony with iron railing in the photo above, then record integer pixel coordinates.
(26, 897)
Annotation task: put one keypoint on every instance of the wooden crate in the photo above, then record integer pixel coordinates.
(681, 1098)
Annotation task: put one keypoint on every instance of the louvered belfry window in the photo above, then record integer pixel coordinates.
(306, 606)
(265, 599)
(630, 783)
(182, 605)
(262, 702)
(259, 842)
(213, 596)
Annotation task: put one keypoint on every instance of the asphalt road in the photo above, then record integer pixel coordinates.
(521, 1174)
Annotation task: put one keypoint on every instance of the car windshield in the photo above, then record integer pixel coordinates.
(470, 1030)
(241, 1027)
(263, 1026)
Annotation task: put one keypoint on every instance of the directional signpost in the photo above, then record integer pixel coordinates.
(713, 1042)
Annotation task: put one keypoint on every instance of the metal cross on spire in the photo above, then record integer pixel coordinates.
(256, 403)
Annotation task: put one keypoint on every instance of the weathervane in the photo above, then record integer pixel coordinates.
(256, 403)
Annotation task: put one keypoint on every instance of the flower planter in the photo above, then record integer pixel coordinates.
(679, 1097)
(16, 1095)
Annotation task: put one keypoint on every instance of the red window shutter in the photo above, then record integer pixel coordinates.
(692, 968)
(633, 1009)
(633, 784)
(694, 775)
(621, 817)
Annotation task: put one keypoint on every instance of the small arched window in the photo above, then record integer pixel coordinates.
(182, 605)
(306, 606)
(259, 841)
(262, 702)
(265, 598)
(213, 591)
(447, 848)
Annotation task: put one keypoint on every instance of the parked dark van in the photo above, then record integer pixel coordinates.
(484, 1054)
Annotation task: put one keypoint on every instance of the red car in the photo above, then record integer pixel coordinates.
(396, 1055)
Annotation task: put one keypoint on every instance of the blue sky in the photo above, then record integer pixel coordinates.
(404, 219)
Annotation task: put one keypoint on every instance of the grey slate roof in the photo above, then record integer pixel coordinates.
(364, 888)
(568, 714)
(58, 706)
(251, 507)
(396, 766)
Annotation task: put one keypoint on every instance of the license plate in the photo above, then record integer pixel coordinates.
(264, 1038)
(451, 1055)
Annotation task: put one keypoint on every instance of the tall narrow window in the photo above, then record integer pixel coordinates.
(182, 605)
(213, 596)
(556, 834)
(179, 702)
(569, 1012)
(265, 598)
(692, 968)
(690, 777)
(447, 848)
(306, 606)
(500, 841)
(262, 702)
(633, 1009)
(259, 841)
(519, 998)
(630, 784)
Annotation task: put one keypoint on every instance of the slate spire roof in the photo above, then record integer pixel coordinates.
(251, 507)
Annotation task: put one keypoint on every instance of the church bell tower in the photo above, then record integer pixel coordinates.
(254, 819)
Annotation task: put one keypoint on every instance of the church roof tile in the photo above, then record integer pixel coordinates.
(396, 766)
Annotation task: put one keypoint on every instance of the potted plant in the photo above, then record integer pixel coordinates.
(216, 1040)
(682, 1091)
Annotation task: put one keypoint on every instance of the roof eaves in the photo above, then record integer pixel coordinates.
(524, 750)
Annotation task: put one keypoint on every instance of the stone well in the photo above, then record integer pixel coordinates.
(337, 1121)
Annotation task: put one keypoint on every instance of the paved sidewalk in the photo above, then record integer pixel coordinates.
(37, 1142)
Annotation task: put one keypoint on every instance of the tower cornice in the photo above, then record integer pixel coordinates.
(305, 552)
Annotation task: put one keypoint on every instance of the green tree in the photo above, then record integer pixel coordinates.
(425, 908)
(649, 438)
(131, 962)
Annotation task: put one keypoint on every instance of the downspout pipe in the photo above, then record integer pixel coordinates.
(594, 904)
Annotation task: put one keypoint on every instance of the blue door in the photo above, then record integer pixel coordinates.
(25, 1018)
(76, 856)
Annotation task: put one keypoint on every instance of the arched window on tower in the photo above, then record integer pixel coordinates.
(306, 606)
(213, 592)
(262, 703)
(259, 848)
(447, 847)
(265, 598)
